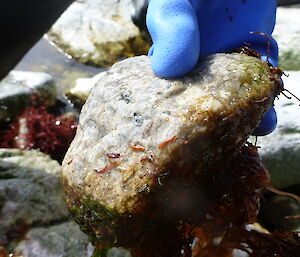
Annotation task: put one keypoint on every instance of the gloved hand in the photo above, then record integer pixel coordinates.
(182, 30)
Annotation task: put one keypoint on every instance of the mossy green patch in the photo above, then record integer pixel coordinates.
(254, 78)
(97, 222)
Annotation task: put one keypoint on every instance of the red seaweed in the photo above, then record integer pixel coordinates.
(36, 128)
(216, 224)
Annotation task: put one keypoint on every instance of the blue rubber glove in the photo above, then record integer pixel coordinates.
(182, 30)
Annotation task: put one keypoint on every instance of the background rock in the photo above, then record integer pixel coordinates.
(48, 58)
(82, 88)
(99, 31)
(63, 240)
(17, 89)
(280, 150)
(287, 34)
(30, 190)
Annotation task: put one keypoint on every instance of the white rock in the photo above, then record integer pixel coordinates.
(98, 31)
(83, 87)
(144, 142)
(210, 111)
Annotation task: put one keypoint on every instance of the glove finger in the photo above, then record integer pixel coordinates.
(173, 26)
(267, 124)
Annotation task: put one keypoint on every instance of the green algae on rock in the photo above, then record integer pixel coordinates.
(144, 143)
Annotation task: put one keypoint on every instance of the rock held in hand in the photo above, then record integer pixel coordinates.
(143, 142)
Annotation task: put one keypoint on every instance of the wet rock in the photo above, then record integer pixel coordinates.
(280, 150)
(137, 131)
(287, 34)
(62, 240)
(17, 89)
(30, 190)
(99, 32)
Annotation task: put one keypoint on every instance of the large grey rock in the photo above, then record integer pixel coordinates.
(281, 149)
(17, 89)
(99, 31)
(137, 129)
(30, 190)
(287, 34)
(63, 240)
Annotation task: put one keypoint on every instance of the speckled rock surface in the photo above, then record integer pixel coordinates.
(137, 130)
(17, 88)
(99, 32)
(130, 106)
(287, 34)
(280, 150)
(30, 190)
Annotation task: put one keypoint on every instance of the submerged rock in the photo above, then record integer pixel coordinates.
(99, 32)
(143, 140)
(30, 191)
(17, 89)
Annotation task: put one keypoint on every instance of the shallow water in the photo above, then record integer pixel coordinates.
(46, 57)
